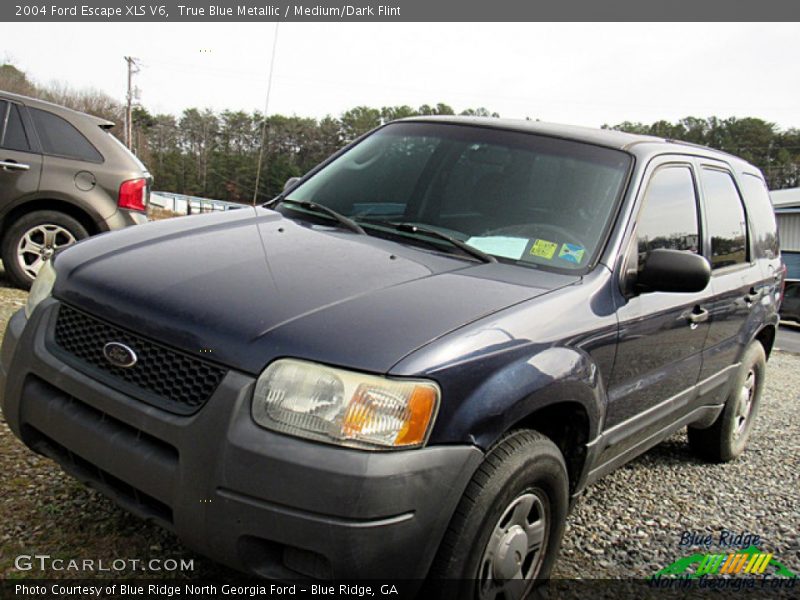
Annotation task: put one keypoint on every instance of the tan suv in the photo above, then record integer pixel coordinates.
(63, 177)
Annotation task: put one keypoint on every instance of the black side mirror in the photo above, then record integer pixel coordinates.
(668, 270)
(290, 183)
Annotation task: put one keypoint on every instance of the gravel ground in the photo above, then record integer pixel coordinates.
(628, 525)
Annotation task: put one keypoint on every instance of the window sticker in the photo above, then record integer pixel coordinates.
(572, 253)
(543, 249)
(500, 245)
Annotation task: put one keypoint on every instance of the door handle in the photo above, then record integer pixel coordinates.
(12, 165)
(696, 316)
(751, 297)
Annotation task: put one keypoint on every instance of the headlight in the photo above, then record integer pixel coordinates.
(42, 287)
(344, 407)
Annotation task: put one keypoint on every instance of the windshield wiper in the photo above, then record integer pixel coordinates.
(412, 228)
(320, 208)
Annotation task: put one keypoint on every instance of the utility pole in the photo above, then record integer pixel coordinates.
(133, 68)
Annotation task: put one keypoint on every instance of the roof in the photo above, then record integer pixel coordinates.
(785, 199)
(611, 138)
(602, 137)
(56, 108)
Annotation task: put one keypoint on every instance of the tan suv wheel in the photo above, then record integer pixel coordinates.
(33, 239)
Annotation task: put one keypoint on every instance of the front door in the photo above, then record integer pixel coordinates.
(661, 335)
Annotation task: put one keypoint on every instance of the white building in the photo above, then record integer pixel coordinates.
(787, 211)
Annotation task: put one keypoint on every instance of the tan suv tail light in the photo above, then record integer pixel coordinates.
(133, 194)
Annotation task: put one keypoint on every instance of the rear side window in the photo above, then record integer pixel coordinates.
(669, 216)
(60, 138)
(764, 230)
(12, 133)
(725, 217)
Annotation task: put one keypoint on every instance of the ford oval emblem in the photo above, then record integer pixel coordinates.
(120, 355)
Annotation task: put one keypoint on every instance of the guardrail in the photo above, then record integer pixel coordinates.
(181, 204)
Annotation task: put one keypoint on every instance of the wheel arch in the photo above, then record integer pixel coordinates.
(766, 335)
(558, 392)
(75, 211)
(567, 425)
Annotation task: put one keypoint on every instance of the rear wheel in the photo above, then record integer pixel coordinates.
(727, 438)
(507, 529)
(33, 238)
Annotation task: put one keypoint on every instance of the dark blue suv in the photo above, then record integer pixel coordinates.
(409, 363)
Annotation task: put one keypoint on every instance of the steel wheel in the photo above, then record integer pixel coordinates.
(727, 437)
(503, 539)
(38, 244)
(515, 551)
(744, 404)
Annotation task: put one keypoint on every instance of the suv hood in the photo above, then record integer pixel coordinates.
(245, 287)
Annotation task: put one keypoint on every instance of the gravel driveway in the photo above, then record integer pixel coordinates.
(628, 525)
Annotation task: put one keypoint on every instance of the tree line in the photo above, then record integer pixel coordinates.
(215, 154)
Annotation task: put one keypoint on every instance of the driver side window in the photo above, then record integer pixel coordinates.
(668, 218)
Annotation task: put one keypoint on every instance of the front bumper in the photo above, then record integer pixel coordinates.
(255, 500)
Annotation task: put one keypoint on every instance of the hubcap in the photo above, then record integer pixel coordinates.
(38, 245)
(515, 551)
(744, 405)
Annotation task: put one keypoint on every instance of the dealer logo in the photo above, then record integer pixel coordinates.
(736, 559)
(749, 561)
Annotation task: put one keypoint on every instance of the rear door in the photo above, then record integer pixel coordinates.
(736, 277)
(69, 157)
(20, 164)
(763, 234)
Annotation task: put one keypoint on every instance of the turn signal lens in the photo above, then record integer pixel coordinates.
(421, 407)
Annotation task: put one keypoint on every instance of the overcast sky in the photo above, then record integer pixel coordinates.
(585, 74)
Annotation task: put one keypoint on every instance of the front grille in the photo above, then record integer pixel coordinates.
(162, 376)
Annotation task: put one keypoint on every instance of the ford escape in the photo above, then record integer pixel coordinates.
(414, 359)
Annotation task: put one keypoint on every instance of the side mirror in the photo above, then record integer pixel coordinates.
(668, 270)
(290, 183)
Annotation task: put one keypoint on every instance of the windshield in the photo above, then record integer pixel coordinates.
(524, 198)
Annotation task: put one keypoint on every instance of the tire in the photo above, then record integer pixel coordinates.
(727, 437)
(33, 238)
(522, 481)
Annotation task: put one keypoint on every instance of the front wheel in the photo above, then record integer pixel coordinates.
(727, 438)
(507, 529)
(33, 238)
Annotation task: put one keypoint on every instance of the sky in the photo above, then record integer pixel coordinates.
(575, 73)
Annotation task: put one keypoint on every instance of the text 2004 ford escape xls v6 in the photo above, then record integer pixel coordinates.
(408, 363)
